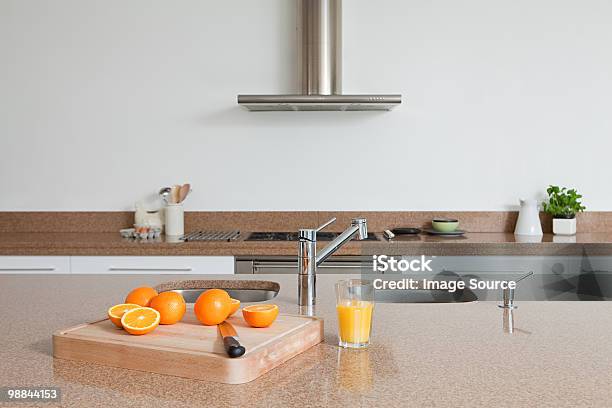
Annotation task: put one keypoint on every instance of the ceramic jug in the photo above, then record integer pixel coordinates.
(528, 222)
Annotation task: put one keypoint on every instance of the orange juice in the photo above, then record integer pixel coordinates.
(355, 322)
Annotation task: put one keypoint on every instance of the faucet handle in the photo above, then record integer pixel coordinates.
(331, 221)
(311, 234)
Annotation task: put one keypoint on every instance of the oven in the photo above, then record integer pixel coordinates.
(340, 264)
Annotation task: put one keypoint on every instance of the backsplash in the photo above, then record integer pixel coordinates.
(113, 221)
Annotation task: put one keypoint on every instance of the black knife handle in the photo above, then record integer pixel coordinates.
(233, 347)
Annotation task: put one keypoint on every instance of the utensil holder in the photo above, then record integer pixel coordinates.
(175, 220)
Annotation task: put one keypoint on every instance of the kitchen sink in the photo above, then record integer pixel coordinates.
(243, 295)
(424, 296)
(249, 291)
(246, 291)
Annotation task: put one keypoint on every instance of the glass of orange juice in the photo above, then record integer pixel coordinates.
(355, 306)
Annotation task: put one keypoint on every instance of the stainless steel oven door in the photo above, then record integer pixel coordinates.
(286, 264)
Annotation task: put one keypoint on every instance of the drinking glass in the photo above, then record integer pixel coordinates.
(355, 306)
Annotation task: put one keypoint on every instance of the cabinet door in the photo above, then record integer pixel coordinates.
(200, 265)
(35, 264)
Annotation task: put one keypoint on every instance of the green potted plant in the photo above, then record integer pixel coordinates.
(563, 204)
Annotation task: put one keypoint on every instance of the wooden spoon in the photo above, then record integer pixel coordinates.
(185, 189)
(174, 194)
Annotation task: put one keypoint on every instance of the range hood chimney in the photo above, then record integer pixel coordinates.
(320, 68)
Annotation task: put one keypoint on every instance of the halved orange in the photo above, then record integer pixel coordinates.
(234, 306)
(141, 320)
(116, 312)
(260, 315)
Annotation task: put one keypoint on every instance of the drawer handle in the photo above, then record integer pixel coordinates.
(188, 269)
(43, 268)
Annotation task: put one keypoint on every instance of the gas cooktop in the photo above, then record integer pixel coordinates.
(293, 236)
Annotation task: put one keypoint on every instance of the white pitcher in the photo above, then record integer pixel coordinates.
(528, 222)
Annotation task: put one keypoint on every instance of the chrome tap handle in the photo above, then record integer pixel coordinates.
(331, 221)
(508, 294)
(524, 276)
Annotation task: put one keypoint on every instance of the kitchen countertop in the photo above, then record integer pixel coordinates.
(488, 243)
(421, 354)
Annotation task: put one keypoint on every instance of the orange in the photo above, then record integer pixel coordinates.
(234, 306)
(170, 305)
(260, 315)
(115, 312)
(141, 320)
(212, 307)
(141, 296)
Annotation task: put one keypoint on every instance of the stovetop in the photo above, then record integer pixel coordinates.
(293, 236)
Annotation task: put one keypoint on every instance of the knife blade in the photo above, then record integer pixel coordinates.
(232, 346)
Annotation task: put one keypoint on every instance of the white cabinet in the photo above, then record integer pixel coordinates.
(199, 265)
(34, 264)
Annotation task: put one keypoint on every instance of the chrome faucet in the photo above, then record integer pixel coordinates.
(308, 260)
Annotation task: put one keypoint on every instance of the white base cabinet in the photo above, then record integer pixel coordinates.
(34, 264)
(163, 265)
(199, 265)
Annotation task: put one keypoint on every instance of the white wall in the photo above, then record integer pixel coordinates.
(104, 101)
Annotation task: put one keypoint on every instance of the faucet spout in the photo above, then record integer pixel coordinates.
(359, 227)
(308, 260)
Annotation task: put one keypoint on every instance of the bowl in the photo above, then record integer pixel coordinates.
(445, 224)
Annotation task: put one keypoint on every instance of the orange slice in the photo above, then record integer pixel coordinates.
(234, 306)
(260, 315)
(116, 312)
(141, 320)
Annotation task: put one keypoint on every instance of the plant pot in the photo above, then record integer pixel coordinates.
(564, 226)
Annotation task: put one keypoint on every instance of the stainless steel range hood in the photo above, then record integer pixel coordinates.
(320, 68)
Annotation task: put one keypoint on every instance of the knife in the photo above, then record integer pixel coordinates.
(232, 346)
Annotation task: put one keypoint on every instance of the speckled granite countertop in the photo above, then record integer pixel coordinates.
(422, 354)
(483, 243)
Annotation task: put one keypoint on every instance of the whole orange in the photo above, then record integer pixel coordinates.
(212, 307)
(141, 296)
(170, 305)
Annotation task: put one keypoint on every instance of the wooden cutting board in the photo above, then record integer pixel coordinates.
(189, 349)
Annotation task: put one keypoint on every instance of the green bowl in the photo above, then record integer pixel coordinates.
(444, 224)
